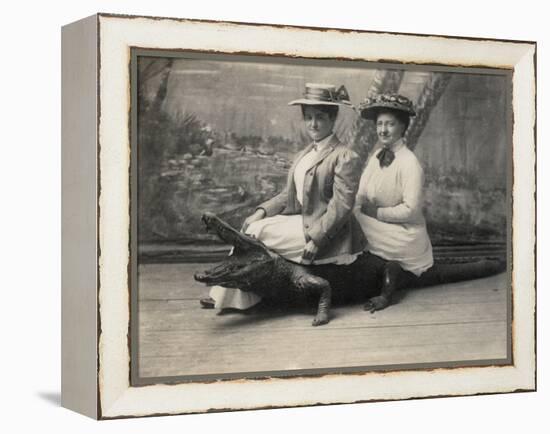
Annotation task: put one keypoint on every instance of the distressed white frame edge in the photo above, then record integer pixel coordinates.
(79, 382)
(117, 35)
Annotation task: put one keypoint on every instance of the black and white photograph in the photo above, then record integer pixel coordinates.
(299, 217)
(285, 217)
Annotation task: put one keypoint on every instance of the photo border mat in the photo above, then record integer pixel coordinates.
(136, 380)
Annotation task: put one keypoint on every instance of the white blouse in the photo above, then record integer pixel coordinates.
(398, 233)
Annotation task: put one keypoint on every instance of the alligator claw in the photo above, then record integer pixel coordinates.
(376, 303)
(320, 319)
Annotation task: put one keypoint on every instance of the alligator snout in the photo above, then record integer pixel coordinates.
(200, 276)
(207, 218)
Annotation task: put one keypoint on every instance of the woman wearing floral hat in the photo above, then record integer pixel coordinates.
(311, 220)
(390, 197)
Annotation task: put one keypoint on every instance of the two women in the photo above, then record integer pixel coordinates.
(311, 220)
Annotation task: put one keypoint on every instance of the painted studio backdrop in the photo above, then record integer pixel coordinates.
(216, 134)
(219, 136)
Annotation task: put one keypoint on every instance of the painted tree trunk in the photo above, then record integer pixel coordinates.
(160, 96)
(431, 92)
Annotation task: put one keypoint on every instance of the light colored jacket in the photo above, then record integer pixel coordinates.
(330, 187)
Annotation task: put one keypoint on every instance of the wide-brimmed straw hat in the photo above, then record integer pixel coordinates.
(371, 106)
(323, 94)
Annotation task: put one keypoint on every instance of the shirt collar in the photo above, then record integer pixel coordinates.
(396, 146)
(319, 146)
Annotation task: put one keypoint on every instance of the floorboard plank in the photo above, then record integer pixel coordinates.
(170, 353)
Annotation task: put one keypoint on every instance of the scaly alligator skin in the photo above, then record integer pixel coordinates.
(254, 267)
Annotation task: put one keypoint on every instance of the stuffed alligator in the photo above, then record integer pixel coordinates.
(254, 267)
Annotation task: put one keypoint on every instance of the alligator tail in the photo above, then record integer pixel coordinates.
(456, 272)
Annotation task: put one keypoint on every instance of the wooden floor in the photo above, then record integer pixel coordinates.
(455, 322)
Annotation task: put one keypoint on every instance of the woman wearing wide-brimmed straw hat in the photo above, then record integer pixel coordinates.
(389, 199)
(311, 220)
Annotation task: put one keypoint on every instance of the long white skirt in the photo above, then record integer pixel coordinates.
(284, 234)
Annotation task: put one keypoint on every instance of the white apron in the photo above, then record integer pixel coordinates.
(399, 232)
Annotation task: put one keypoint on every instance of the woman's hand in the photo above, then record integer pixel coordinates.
(310, 251)
(370, 209)
(258, 215)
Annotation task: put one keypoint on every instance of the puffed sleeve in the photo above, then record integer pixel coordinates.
(411, 181)
(347, 171)
(361, 196)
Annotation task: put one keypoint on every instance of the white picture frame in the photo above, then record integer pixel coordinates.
(96, 217)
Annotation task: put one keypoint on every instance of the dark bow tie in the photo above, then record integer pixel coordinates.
(385, 157)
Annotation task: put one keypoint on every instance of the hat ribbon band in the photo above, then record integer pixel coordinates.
(326, 95)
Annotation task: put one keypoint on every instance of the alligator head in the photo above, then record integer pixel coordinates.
(249, 263)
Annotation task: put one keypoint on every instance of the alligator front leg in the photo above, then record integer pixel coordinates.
(309, 283)
(390, 282)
